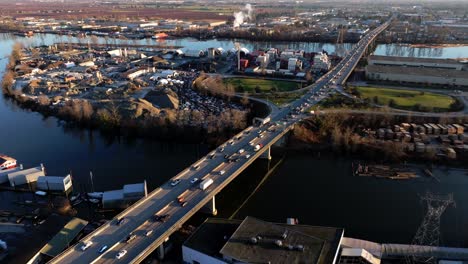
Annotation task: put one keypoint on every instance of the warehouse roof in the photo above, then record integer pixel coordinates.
(445, 73)
(281, 243)
(257, 241)
(63, 238)
(411, 59)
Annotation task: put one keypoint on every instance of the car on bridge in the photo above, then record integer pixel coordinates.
(103, 248)
(175, 182)
(161, 218)
(194, 180)
(121, 221)
(121, 254)
(86, 245)
(130, 237)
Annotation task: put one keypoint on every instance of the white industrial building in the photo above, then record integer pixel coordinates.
(195, 53)
(417, 75)
(263, 61)
(293, 64)
(124, 197)
(54, 183)
(27, 176)
(357, 255)
(321, 62)
(417, 70)
(415, 62)
(4, 174)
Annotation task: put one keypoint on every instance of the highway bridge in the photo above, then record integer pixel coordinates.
(221, 165)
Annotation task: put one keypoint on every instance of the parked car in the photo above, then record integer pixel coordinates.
(149, 232)
(183, 204)
(222, 172)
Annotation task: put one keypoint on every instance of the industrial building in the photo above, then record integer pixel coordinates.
(25, 176)
(60, 241)
(256, 241)
(321, 62)
(4, 174)
(405, 74)
(124, 197)
(415, 62)
(357, 256)
(417, 70)
(53, 183)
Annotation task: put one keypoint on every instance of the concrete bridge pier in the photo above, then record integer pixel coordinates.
(210, 207)
(266, 154)
(161, 252)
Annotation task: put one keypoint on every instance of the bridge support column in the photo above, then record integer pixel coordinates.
(210, 207)
(161, 252)
(266, 154)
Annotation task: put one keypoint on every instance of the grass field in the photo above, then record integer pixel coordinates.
(280, 99)
(407, 99)
(252, 85)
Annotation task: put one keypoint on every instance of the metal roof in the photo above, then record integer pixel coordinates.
(62, 239)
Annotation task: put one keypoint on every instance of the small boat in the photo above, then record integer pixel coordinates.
(96, 195)
(74, 197)
(41, 193)
(77, 202)
(7, 162)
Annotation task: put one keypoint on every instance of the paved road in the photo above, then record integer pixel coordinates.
(241, 148)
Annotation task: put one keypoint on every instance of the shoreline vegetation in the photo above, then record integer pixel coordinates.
(346, 134)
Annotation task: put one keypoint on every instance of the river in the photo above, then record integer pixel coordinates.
(317, 191)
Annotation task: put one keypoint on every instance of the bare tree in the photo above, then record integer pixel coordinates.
(43, 100)
(87, 109)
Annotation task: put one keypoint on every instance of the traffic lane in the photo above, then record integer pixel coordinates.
(144, 213)
(176, 212)
(134, 247)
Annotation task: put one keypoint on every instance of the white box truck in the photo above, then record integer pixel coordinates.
(205, 184)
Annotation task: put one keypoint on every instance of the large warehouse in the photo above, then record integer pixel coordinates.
(417, 70)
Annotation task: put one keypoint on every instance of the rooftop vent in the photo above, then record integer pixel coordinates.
(253, 240)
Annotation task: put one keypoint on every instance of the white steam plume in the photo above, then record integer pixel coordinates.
(245, 14)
